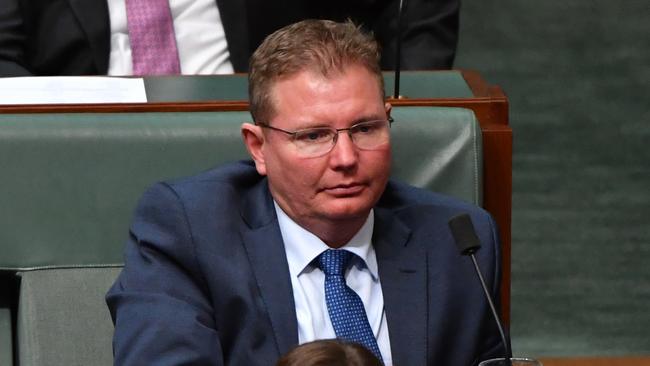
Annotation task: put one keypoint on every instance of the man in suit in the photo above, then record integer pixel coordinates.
(232, 266)
(78, 37)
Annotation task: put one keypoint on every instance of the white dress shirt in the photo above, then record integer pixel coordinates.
(200, 38)
(308, 281)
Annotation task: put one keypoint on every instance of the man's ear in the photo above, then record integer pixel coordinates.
(254, 141)
(388, 107)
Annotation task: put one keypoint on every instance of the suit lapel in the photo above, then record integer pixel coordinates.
(263, 243)
(95, 22)
(403, 276)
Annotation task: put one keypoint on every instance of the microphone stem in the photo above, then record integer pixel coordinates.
(398, 53)
(488, 296)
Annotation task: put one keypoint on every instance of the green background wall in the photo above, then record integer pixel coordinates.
(577, 74)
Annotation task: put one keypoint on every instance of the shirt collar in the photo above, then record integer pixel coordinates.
(302, 247)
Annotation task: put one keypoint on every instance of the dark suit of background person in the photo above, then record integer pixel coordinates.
(72, 37)
(216, 289)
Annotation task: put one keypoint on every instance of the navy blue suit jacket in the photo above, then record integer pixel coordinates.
(206, 279)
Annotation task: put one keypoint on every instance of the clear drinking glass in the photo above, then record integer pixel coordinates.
(516, 361)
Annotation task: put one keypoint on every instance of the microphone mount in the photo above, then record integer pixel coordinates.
(398, 50)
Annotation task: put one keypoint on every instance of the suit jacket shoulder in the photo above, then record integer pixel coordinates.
(206, 279)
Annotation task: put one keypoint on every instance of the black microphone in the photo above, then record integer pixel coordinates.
(398, 46)
(468, 243)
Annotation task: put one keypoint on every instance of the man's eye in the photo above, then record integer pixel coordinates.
(365, 129)
(313, 136)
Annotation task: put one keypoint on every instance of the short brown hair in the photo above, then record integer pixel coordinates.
(330, 352)
(321, 46)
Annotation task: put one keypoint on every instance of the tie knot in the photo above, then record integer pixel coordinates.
(334, 262)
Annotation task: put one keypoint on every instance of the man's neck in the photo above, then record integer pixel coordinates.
(333, 233)
(336, 236)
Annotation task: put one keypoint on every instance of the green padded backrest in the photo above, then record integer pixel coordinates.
(6, 342)
(63, 319)
(71, 181)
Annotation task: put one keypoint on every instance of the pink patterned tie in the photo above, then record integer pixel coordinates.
(151, 34)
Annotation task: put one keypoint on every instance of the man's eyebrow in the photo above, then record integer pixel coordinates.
(310, 125)
(320, 124)
(371, 117)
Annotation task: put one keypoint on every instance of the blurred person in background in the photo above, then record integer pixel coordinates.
(95, 37)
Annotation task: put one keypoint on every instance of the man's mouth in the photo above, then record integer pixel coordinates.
(344, 190)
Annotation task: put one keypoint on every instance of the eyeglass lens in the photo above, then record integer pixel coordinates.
(319, 141)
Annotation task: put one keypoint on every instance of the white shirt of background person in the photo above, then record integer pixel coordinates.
(200, 38)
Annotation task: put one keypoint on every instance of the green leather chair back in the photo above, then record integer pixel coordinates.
(62, 316)
(6, 341)
(71, 181)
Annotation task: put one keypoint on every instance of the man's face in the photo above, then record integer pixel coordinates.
(343, 184)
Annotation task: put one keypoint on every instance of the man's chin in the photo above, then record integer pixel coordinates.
(351, 209)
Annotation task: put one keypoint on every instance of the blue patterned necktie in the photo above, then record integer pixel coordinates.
(345, 308)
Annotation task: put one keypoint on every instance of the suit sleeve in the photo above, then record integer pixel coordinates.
(159, 303)
(12, 39)
(429, 33)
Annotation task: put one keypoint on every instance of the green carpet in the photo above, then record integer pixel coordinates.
(577, 74)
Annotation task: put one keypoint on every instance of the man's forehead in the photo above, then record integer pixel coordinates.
(316, 75)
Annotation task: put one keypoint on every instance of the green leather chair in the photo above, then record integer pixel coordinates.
(71, 181)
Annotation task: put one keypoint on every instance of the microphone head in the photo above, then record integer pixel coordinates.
(464, 234)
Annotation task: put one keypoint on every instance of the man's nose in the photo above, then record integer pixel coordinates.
(344, 153)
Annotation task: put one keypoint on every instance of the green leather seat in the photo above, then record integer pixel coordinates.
(6, 343)
(71, 181)
(62, 316)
